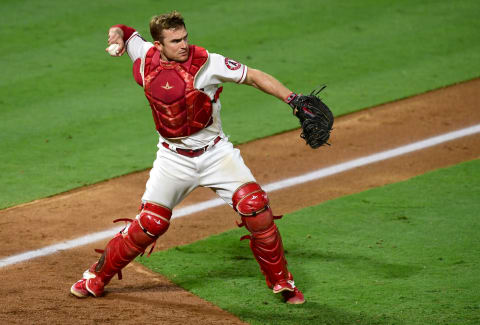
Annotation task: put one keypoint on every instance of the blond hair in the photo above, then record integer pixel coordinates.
(166, 21)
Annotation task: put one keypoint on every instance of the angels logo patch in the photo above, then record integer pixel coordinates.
(232, 64)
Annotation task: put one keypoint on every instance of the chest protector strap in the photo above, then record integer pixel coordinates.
(178, 109)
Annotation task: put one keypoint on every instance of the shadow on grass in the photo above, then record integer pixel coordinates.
(361, 264)
(235, 260)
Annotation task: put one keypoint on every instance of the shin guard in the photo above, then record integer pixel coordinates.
(251, 202)
(151, 223)
(268, 250)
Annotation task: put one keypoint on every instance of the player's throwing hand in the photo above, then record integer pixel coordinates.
(115, 36)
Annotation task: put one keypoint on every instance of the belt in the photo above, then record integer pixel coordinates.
(192, 152)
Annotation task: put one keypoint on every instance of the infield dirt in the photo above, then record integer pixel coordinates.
(37, 291)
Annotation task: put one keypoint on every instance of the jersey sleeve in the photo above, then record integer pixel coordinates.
(137, 47)
(220, 69)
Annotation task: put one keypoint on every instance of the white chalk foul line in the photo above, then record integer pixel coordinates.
(320, 173)
(58, 247)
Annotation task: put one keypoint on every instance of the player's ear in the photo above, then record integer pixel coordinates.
(158, 45)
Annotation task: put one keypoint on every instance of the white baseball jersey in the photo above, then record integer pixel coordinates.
(217, 70)
(221, 167)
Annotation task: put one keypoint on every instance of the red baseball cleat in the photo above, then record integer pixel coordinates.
(79, 289)
(283, 285)
(295, 298)
(95, 286)
(89, 285)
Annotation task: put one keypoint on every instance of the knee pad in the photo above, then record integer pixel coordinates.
(153, 221)
(251, 202)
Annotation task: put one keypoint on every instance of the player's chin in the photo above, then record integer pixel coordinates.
(182, 57)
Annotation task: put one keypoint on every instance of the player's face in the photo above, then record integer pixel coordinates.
(175, 44)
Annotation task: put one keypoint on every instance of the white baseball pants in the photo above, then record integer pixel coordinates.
(174, 176)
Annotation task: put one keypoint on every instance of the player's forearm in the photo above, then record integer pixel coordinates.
(267, 84)
(123, 31)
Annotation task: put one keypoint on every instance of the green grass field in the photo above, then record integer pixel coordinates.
(70, 115)
(406, 253)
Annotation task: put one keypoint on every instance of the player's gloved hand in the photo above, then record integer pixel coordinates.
(115, 36)
(315, 117)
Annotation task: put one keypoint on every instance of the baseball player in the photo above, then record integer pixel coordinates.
(182, 84)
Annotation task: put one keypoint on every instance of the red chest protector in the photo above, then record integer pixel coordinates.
(178, 109)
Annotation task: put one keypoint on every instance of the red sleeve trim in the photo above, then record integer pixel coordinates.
(127, 31)
(241, 78)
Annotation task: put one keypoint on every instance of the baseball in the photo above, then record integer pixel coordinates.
(113, 49)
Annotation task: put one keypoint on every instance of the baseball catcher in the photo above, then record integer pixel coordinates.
(315, 117)
(182, 83)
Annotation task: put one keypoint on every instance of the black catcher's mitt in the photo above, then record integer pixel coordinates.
(315, 117)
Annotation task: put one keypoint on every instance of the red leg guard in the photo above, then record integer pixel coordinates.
(251, 202)
(151, 223)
